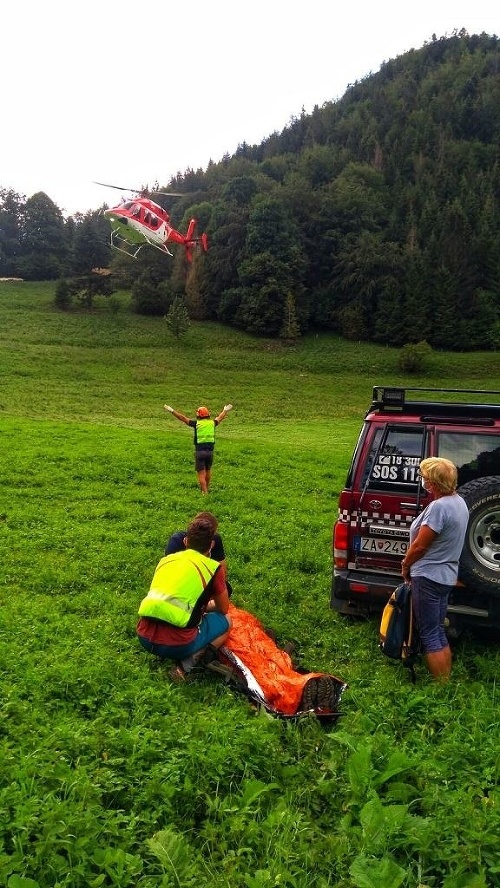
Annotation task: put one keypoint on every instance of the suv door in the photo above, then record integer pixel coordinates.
(390, 495)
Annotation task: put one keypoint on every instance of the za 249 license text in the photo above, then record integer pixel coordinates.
(383, 547)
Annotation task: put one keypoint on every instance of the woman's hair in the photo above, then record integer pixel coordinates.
(441, 472)
(201, 531)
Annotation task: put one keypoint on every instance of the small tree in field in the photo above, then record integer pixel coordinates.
(177, 318)
(414, 357)
(63, 295)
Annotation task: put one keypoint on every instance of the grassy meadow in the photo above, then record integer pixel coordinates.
(110, 774)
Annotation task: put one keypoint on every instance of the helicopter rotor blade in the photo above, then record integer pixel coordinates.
(118, 187)
(172, 193)
(139, 190)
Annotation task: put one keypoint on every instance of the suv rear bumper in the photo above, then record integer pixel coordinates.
(464, 608)
(348, 597)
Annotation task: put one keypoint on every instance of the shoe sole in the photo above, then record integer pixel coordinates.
(310, 695)
(326, 693)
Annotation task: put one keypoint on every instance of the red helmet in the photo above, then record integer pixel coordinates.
(202, 412)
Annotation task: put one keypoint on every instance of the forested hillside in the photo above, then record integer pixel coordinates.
(376, 216)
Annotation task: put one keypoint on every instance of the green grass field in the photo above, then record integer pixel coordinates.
(113, 776)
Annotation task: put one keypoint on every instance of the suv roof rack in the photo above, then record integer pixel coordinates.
(393, 398)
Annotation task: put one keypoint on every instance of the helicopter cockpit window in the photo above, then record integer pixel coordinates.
(147, 217)
(154, 221)
(135, 210)
(128, 204)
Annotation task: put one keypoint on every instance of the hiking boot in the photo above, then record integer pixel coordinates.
(326, 693)
(309, 695)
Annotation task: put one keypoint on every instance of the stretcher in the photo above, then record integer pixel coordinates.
(252, 662)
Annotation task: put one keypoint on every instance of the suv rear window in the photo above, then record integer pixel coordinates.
(394, 456)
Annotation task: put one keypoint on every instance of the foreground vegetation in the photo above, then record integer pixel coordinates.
(113, 776)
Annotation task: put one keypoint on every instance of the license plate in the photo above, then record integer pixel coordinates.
(383, 547)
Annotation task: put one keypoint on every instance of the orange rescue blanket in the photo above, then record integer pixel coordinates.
(269, 673)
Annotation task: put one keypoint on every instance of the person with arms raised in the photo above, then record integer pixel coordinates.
(204, 440)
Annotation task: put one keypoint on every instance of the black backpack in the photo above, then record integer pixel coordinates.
(398, 637)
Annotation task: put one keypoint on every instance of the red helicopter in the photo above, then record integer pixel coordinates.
(140, 221)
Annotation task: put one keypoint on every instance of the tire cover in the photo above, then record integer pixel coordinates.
(480, 560)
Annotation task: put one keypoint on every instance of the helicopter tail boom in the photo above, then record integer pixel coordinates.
(190, 230)
(191, 241)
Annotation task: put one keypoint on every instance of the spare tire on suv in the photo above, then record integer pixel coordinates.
(480, 561)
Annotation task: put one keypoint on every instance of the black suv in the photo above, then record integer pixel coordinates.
(383, 494)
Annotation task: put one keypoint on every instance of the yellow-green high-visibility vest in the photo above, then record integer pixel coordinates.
(205, 431)
(180, 588)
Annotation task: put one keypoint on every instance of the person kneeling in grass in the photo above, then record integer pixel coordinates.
(186, 607)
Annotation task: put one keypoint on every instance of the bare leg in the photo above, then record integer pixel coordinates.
(208, 475)
(439, 663)
(217, 642)
(202, 480)
(447, 651)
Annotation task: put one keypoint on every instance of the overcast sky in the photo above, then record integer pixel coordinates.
(133, 92)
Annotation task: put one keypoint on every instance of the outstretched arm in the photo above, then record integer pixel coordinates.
(224, 413)
(177, 414)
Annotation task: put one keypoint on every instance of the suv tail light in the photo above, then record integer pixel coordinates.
(340, 544)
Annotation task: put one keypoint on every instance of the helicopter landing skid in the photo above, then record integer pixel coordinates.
(133, 250)
(124, 246)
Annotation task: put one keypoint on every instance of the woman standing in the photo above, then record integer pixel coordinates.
(431, 563)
